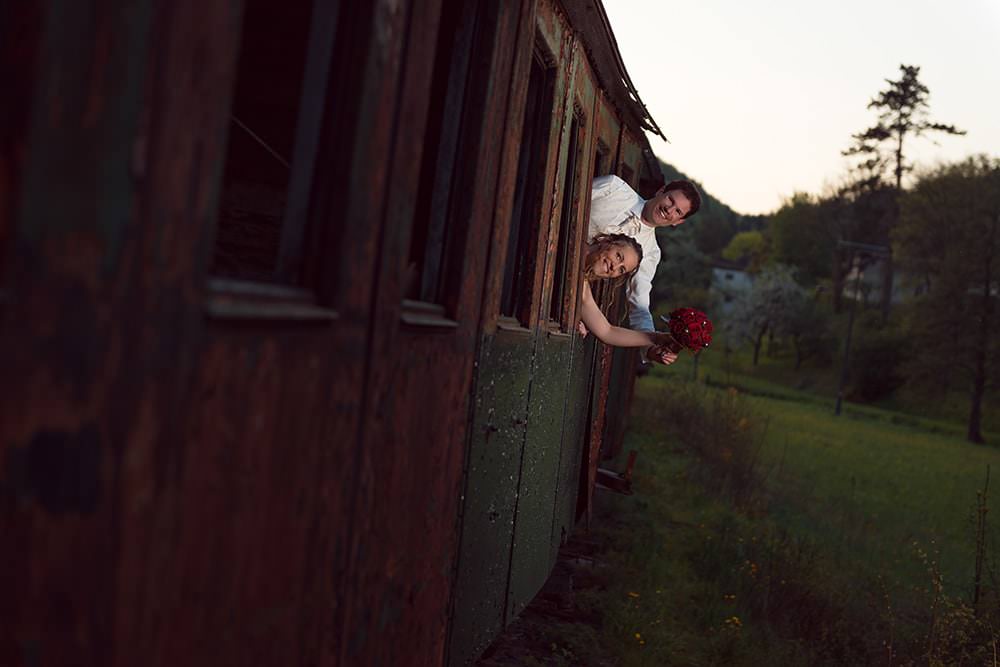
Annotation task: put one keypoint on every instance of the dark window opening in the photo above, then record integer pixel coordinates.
(600, 160)
(262, 135)
(433, 235)
(570, 206)
(520, 267)
(626, 173)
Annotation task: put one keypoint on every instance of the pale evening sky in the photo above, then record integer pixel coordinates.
(759, 98)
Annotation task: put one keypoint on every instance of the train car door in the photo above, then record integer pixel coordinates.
(500, 467)
(427, 315)
(558, 243)
(584, 161)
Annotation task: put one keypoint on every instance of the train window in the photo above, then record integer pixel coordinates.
(433, 235)
(558, 308)
(515, 300)
(601, 159)
(272, 139)
(626, 173)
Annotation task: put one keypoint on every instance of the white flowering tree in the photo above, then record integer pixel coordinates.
(771, 305)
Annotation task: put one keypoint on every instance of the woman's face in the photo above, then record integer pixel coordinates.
(614, 259)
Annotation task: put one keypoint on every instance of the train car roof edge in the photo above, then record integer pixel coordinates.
(589, 18)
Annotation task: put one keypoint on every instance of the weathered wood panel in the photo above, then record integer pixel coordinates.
(240, 522)
(67, 201)
(245, 553)
(195, 476)
(623, 365)
(21, 32)
(573, 445)
(607, 132)
(531, 554)
(501, 382)
(491, 494)
(418, 414)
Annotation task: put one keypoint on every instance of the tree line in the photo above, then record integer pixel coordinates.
(929, 234)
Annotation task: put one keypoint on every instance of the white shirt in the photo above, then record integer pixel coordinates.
(615, 208)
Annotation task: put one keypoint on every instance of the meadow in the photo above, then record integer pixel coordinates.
(767, 530)
(864, 484)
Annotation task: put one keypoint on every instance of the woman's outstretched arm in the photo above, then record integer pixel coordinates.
(598, 324)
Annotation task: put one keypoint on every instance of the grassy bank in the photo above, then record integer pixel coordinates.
(864, 483)
(768, 531)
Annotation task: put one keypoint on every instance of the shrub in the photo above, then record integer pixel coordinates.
(722, 431)
(877, 357)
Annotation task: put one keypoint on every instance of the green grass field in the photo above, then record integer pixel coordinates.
(860, 517)
(865, 484)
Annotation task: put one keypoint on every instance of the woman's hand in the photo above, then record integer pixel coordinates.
(661, 354)
(661, 338)
(582, 328)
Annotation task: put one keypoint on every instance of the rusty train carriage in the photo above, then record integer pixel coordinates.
(287, 351)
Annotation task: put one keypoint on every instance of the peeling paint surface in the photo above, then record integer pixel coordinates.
(198, 471)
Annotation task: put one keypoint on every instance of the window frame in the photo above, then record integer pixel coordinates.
(569, 241)
(442, 195)
(289, 296)
(526, 307)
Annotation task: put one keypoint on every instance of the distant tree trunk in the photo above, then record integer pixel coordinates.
(887, 270)
(983, 341)
(975, 433)
(756, 344)
(838, 282)
(899, 162)
(797, 344)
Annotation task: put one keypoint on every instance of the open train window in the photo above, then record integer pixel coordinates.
(559, 306)
(601, 159)
(281, 78)
(518, 283)
(626, 173)
(434, 239)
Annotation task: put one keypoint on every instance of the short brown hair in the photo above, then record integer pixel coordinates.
(689, 190)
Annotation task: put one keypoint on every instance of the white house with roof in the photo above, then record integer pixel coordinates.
(730, 283)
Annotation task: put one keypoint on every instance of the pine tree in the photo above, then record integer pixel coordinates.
(903, 114)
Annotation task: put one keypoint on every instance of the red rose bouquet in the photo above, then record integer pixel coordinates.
(688, 328)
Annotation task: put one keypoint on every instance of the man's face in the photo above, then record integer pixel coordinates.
(666, 208)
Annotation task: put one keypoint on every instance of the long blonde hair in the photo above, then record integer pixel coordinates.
(602, 241)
